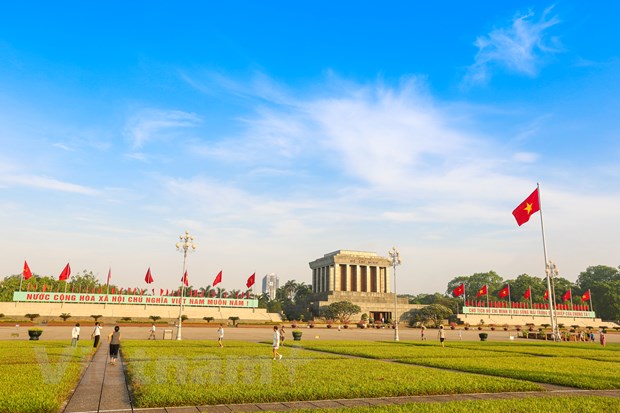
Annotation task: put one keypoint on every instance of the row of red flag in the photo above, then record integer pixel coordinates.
(66, 272)
(505, 292)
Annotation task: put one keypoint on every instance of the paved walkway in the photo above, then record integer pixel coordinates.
(103, 388)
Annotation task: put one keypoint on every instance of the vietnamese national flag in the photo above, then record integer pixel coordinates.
(504, 292)
(458, 291)
(148, 277)
(585, 296)
(567, 295)
(546, 297)
(185, 280)
(482, 291)
(528, 207)
(218, 279)
(27, 273)
(64, 275)
(44, 287)
(528, 293)
(250, 281)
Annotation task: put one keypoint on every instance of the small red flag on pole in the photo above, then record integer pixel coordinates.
(218, 279)
(458, 291)
(27, 273)
(148, 278)
(185, 280)
(64, 275)
(251, 280)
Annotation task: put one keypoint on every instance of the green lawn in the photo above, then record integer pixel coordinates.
(38, 376)
(200, 373)
(568, 364)
(567, 404)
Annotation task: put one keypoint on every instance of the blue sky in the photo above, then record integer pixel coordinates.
(277, 133)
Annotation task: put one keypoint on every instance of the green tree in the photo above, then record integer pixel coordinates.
(430, 315)
(604, 285)
(341, 310)
(519, 286)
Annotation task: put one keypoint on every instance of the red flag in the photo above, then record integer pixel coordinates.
(113, 290)
(64, 275)
(528, 293)
(250, 281)
(526, 208)
(546, 297)
(148, 277)
(44, 287)
(482, 291)
(458, 291)
(585, 296)
(185, 280)
(167, 292)
(218, 279)
(567, 295)
(27, 273)
(99, 291)
(504, 292)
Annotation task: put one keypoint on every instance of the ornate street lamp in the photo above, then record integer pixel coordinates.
(553, 272)
(186, 244)
(395, 259)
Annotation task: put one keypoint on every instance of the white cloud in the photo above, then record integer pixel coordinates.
(151, 124)
(519, 48)
(44, 182)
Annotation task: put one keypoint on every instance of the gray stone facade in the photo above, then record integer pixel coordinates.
(362, 278)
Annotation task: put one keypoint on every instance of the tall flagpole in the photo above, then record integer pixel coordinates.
(530, 290)
(554, 327)
(487, 288)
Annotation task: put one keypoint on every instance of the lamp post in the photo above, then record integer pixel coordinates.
(395, 259)
(186, 244)
(552, 272)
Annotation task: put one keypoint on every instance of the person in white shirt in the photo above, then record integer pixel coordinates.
(75, 335)
(96, 335)
(276, 344)
(152, 333)
(220, 335)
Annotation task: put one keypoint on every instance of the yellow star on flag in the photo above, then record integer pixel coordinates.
(528, 208)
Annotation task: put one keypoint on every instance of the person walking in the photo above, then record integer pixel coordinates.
(220, 335)
(75, 335)
(96, 335)
(442, 335)
(422, 331)
(152, 333)
(282, 335)
(602, 338)
(115, 343)
(276, 344)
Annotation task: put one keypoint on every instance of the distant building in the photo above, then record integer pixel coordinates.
(271, 283)
(360, 277)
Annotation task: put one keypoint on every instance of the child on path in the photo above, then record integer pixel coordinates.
(220, 335)
(276, 344)
(442, 335)
(75, 335)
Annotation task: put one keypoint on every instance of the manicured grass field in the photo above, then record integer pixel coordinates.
(200, 373)
(568, 404)
(37, 376)
(580, 365)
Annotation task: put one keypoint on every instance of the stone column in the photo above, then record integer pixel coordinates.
(337, 276)
(387, 280)
(358, 277)
(332, 278)
(314, 290)
(347, 277)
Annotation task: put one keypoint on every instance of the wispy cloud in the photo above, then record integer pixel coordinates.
(519, 48)
(151, 124)
(44, 182)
